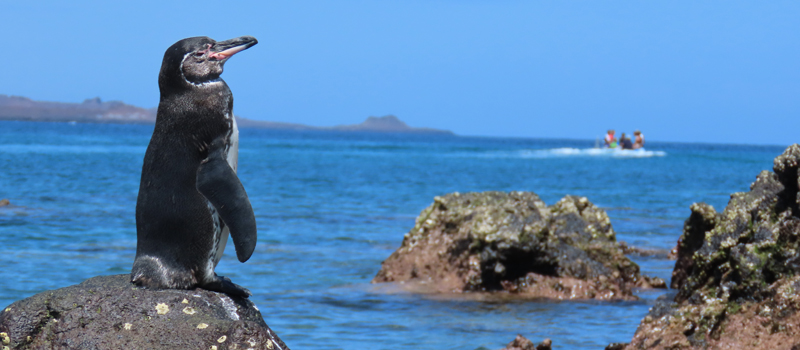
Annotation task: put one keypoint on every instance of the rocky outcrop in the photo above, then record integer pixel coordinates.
(513, 242)
(702, 219)
(4, 202)
(522, 343)
(737, 273)
(108, 312)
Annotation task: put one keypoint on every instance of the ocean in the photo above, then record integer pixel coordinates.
(331, 206)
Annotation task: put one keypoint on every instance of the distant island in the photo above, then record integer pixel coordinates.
(94, 110)
(90, 111)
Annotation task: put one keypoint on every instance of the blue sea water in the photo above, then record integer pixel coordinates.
(331, 206)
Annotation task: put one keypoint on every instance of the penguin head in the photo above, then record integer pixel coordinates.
(198, 61)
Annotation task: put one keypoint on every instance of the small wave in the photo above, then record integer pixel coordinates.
(576, 152)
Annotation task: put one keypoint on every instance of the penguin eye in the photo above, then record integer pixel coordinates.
(199, 53)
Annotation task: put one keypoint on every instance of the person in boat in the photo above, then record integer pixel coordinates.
(638, 142)
(610, 140)
(625, 142)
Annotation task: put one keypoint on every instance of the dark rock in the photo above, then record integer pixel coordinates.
(522, 343)
(746, 249)
(546, 344)
(616, 346)
(4, 202)
(738, 289)
(702, 219)
(513, 242)
(108, 312)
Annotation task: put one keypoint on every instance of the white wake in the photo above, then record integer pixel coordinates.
(576, 152)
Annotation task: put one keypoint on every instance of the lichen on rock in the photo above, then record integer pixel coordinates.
(514, 242)
(702, 219)
(108, 312)
(737, 272)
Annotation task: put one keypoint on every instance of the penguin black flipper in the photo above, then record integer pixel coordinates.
(217, 181)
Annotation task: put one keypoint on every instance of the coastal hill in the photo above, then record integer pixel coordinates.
(387, 123)
(90, 111)
(96, 111)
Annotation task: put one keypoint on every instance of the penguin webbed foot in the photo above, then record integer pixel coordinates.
(223, 284)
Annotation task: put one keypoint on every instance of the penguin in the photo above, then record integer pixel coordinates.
(190, 198)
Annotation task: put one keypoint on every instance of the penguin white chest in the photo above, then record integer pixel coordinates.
(233, 144)
(221, 231)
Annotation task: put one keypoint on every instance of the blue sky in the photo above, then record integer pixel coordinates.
(690, 71)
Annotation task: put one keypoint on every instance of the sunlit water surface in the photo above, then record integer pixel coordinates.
(331, 206)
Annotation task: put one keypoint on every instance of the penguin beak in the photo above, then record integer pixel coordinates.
(223, 50)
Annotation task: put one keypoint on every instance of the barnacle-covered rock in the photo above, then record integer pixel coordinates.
(737, 272)
(108, 312)
(514, 242)
(702, 219)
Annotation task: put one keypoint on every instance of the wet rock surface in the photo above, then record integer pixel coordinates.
(736, 276)
(107, 312)
(514, 242)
